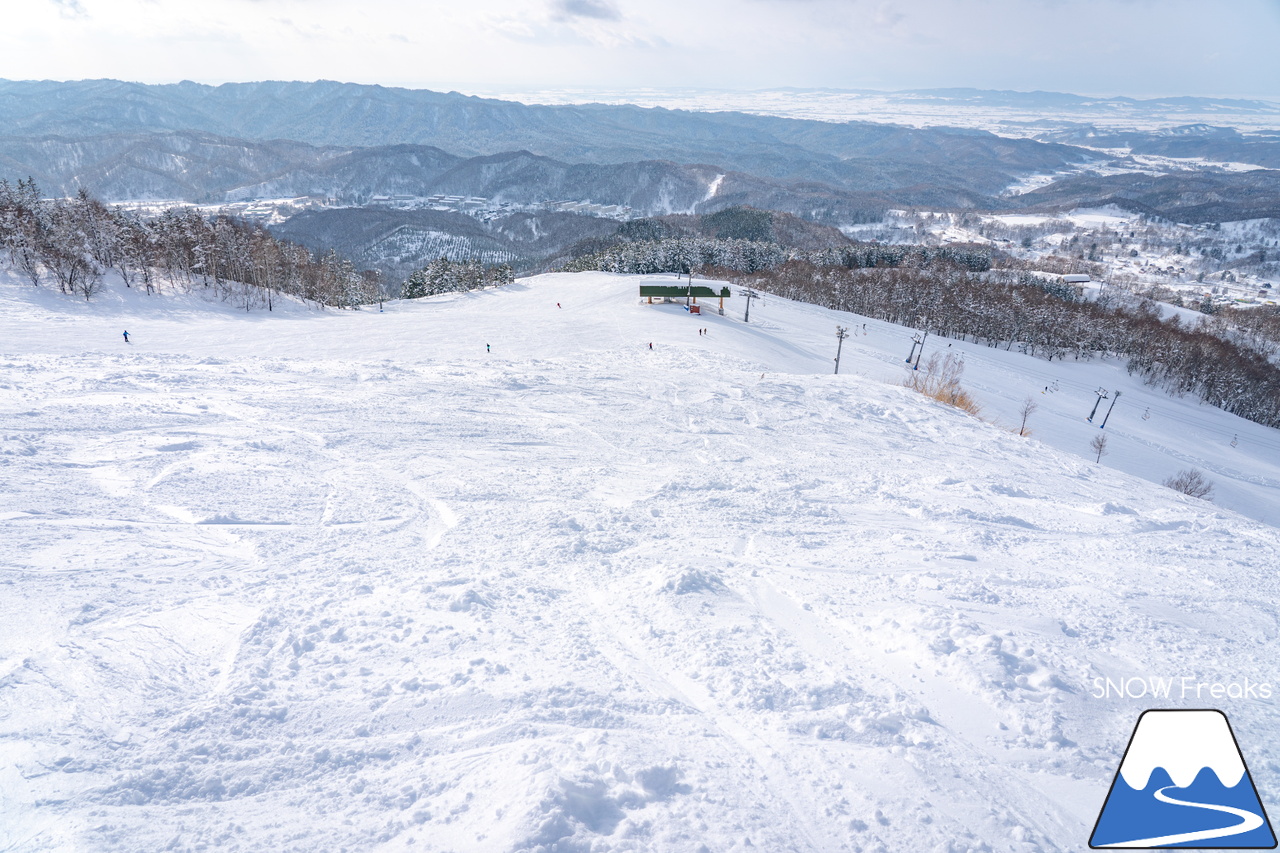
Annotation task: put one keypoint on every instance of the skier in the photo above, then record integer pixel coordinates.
(557, 304)
(126, 336)
(486, 348)
(650, 346)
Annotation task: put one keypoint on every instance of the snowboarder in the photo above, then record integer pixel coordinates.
(557, 304)
(126, 336)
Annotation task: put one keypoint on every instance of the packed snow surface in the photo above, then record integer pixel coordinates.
(345, 580)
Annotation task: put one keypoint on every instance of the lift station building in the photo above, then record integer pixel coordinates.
(686, 293)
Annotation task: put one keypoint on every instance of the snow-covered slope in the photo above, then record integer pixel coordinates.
(345, 580)
(1150, 434)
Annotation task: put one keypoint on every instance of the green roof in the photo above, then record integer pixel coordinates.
(685, 290)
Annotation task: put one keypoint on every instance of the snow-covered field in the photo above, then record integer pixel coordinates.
(1164, 254)
(344, 580)
(915, 109)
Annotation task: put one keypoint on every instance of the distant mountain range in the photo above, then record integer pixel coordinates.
(855, 156)
(1065, 102)
(1193, 141)
(1014, 114)
(240, 141)
(351, 143)
(200, 167)
(1193, 197)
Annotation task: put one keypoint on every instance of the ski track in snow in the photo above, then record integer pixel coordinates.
(339, 581)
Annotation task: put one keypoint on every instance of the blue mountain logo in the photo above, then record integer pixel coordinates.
(1183, 783)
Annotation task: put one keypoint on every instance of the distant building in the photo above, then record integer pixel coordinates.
(687, 292)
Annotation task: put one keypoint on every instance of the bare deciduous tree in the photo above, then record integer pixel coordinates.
(1099, 446)
(1191, 482)
(23, 227)
(940, 380)
(1014, 308)
(77, 241)
(1029, 407)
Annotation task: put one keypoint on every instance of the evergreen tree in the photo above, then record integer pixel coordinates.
(415, 286)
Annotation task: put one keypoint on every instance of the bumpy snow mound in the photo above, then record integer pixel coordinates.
(694, 580)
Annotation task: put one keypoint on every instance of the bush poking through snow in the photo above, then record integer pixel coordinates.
(1191, 482)
(940, 380)
(1029, 407)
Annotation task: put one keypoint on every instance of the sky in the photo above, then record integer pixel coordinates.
(1138, 48)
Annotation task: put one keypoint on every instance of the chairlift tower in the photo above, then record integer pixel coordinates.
(749, 294)
(841, 334)
(915, 342)
(917, 349)
(1102, 395)
(1109, 408)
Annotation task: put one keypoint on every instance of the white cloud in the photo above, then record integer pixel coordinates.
(70, 8)
(1134, 47)
(600, 10)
